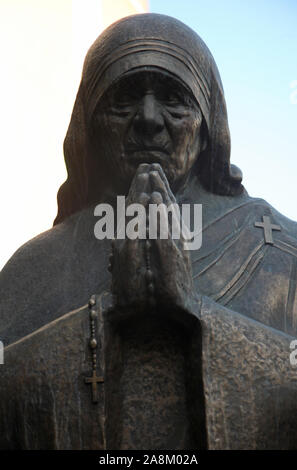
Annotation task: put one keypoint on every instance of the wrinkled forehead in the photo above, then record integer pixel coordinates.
(141, 55)
(142, 79)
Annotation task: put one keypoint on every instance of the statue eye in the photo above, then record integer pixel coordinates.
(122, 102)
(125, 98)
(175, 104)
(171, 97)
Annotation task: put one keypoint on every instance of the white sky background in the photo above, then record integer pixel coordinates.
(42, 47)
(39, 79)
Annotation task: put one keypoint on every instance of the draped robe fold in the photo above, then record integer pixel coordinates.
(228, 383)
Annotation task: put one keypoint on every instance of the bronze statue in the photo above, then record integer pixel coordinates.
(141, 344)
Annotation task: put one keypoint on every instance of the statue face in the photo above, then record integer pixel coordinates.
(149, 116)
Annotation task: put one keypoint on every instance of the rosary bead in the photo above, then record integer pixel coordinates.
(151, 288)
(93, 314)
(92, 301)
(149, 275)
(93, 343)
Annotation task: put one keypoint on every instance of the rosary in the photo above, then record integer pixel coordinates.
(93, 380)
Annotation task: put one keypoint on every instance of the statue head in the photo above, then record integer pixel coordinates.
(150, 92)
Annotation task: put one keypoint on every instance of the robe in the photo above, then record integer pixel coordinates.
(220, 379)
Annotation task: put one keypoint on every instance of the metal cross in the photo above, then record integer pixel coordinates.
(268, 227)
(94, 380)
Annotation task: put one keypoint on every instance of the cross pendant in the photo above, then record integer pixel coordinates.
(94, 380)
(267, 227)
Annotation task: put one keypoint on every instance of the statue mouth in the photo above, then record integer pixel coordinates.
(148, 148)
(149, 155)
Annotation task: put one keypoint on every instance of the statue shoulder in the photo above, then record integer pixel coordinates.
(50, 275)
(35, 256)
(27, 280)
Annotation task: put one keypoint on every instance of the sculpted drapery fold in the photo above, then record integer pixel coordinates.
(140, 344)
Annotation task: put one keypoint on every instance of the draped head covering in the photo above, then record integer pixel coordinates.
(146, 40)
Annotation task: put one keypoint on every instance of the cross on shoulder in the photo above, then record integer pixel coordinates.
(267, 226)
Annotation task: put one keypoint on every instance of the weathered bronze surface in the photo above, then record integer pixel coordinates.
(182, 349)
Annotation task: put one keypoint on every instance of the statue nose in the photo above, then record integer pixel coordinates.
(149, 117)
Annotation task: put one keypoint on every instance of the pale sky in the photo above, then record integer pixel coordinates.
(254, 43)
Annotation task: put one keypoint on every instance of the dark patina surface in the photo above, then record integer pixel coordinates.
(176, 349)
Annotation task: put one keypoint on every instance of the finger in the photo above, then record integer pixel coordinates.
(168, 196)
(140, 230)
(139, 185)
(144, 199)
(169, 215)
(143, 168)
(158, 217)
(158, 185)
(156, 198)
(157, 167)
(172, 250)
